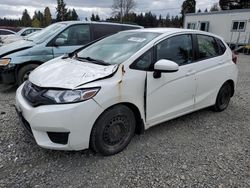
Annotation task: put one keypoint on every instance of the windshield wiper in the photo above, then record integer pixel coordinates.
(28, 39)
(96, 61)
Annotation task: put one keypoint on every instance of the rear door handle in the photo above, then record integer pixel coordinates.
(191, 72)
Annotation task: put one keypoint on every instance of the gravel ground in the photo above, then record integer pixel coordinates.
(202, 149)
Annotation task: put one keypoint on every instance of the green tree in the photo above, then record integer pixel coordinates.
(97, 17)
(244, 4)
(234, 4)
(188, 6)
(26, 20)
(92, 18)
(47, 17)
(74, 15)
(36, 23)
(215, 7)
(61, 11)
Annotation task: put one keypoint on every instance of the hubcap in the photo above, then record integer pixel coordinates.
(26, 76)
(224, 97)
(116, 131)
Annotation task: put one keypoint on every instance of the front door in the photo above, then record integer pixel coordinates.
(71, 39)
(173, 93)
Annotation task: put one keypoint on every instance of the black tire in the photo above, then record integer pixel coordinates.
(113, 130)
(24, 72)
(223, 97)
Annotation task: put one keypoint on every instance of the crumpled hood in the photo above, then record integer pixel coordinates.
(14, 47)
(69, 73)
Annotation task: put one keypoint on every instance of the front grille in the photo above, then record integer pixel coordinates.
(34, 95)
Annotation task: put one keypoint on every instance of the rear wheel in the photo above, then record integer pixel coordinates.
(223, 98)
(113, 130)
(24, 72)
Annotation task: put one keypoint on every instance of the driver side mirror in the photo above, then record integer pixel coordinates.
(59, 42)
(164, 65)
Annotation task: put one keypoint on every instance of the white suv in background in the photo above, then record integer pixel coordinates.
(124, 84)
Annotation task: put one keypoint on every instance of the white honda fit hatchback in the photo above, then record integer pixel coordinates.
(123, 84)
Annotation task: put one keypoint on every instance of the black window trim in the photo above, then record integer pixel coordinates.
(149, 69)
(220, 41)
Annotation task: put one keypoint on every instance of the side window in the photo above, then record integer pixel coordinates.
(143, 62)
(101, 30)
(75, 35)
(221, 46)
(207, 47)
(178, 49)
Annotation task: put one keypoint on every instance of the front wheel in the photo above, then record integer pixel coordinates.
(223, 98)
(24, 72)
(113, 130)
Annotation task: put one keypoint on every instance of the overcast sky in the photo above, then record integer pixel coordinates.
(84, 8)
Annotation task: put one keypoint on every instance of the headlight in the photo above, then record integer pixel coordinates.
(70, 96)
(4, 62)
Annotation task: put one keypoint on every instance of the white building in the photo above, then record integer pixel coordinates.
(232, 25)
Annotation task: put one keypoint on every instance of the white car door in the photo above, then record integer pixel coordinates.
(172, 94)
(211, 70)
(71, 39)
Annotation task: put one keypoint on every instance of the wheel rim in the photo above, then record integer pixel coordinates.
(116, 131)
(26, 76)
(224, 98)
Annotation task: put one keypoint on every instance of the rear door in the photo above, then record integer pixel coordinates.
(173, 93)
(72, 38)
(210, 68)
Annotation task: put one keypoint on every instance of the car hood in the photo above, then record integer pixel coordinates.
(69, 73)
(15, 47)
(11, 39)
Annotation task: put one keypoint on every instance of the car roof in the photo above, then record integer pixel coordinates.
(170, 31)
(93, 22)
(8, 30)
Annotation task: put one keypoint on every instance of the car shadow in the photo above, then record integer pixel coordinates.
(8, 88)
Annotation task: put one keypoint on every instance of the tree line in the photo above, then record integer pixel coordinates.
(123, 12)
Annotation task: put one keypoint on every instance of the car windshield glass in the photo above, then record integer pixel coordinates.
(119, 47)
(45, 33)
(21, 31)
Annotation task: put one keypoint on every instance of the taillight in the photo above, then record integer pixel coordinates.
(234, 58)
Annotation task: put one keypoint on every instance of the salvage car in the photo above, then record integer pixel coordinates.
(19, 58)
(101, 96)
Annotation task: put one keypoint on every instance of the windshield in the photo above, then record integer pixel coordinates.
(21, 31)
(45, 33)
(117, 48)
